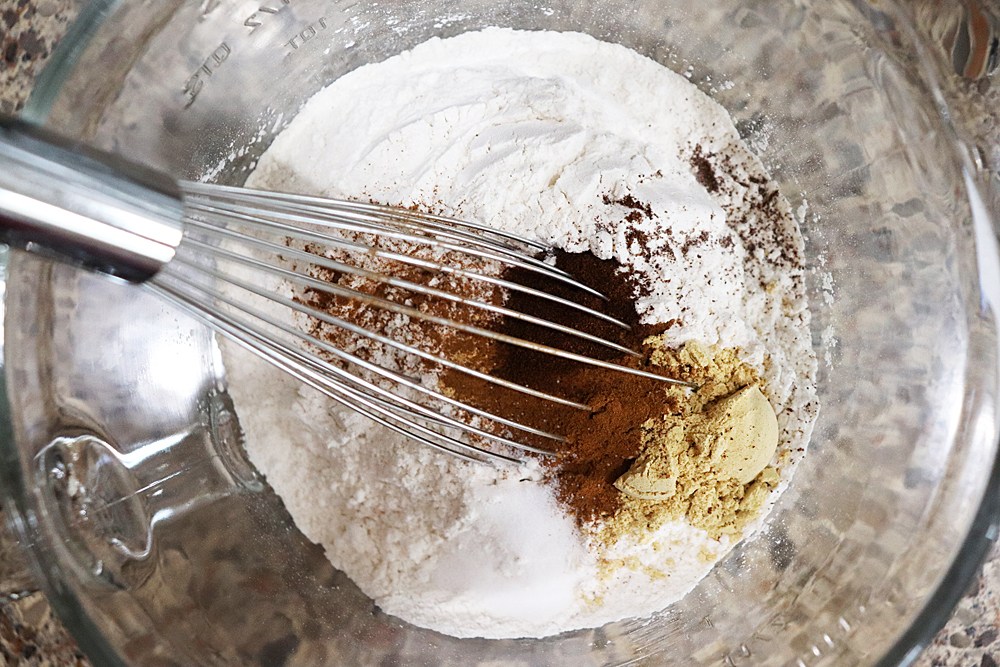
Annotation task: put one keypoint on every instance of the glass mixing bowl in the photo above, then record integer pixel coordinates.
(159, 545)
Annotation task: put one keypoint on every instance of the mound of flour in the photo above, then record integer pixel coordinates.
(554, 136)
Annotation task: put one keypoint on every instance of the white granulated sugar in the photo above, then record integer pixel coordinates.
(548, 135)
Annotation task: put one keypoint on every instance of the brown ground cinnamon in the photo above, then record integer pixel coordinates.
(602, 444)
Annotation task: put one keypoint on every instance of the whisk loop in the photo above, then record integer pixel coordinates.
(255, 265)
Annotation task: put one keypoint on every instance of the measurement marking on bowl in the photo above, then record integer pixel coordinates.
(308, 33)
(253, 22)
(194, 84)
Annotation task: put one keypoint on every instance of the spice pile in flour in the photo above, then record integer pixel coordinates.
(643, 186)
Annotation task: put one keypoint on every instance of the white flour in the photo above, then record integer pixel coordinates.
(555, 136)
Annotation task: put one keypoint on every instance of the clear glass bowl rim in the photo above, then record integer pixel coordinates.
(937, 610)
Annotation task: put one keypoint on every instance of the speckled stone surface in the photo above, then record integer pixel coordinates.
(29, 30)
(970, 637)
(30, 635)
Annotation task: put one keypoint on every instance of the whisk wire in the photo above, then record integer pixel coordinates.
(342, 267)
(213, 191)
(416, 313)
(381, 371)
(376, 223)
(507, 258)
(213, 224)
(385, 340)
(381, 411)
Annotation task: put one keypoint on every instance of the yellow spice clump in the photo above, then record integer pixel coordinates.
(708, 462)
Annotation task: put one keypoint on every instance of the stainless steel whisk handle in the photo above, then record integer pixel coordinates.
(95, 209)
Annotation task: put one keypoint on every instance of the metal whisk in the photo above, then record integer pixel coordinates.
(173, 237)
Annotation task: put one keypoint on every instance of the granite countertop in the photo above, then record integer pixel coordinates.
(31, 635)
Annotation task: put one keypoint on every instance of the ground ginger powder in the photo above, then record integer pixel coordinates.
(707, 462)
